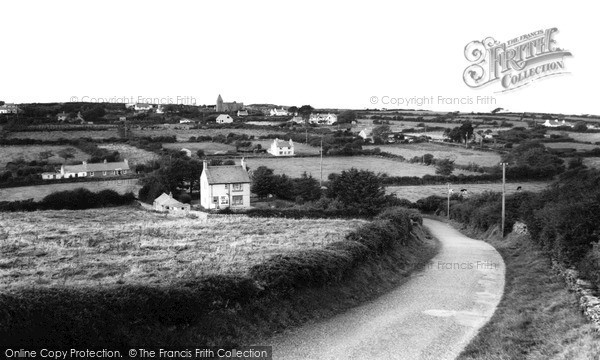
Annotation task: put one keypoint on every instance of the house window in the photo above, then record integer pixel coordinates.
(215, 199)
(224, 200)
(91, 173)
(225, 186)
(237, 200)
(237, 187)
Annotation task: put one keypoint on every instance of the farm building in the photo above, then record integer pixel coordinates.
(104, 169)
(278, 112)
(63, 116)
(322, 119)
(366, 133)
(224, 119)
(142, 107)
(242, 113)
(556, 123)
(225, 186)
(281, 148)
(9, 109)
(167, 203)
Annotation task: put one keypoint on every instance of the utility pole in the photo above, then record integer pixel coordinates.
(448, 208)
(503, 196)
(321, 165)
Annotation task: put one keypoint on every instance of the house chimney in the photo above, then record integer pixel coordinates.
(243, 163)
(170, 194)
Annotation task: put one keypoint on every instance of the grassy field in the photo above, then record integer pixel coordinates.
(572, 145)
(459, 154)
(537, 318)
(294, 167)
(209, 148)
(55, 135)
(40, 191)
(184, 135)
(592, 162)
(129, 245)
(131, 153)
(583, 137)
(414, 193)
(31, 152)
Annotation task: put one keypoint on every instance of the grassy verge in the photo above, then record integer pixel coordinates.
(538, 318)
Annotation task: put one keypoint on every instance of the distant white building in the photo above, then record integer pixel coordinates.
(366, 133)
(63, 116)
(556, 123)
(224, 119)
(187, 152)
(322, 119)
(185, 121)
(298, 119)
(225, 187)
(278, 112)
(242, 113)
(9, 109)
(160, 109)
(142, 107)
(281, 148)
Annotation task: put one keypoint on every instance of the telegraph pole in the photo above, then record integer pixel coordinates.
(448, 208)
(321, 165)
(503, 196)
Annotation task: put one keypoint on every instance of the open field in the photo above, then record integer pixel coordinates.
(209, 148)
(131, 153)
(294, 167)
(459, 154)
(55, 135)
(583, 137)
(414, 193)
(592, 162)
(129, 245)
(38, 192)
(572, 145)
(31, 152)
(184, 135)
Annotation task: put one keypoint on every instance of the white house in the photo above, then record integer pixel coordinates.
(9, 109)
(142, 107)
(224, 119)
(281, 148)
(63, 116)
(100, 170)
(366, 133)
(242, 113)
(278, 112)
(160, 109)
(556, 123)
(323, 119)
(225, 187)
(185, 121)
(298, 119)
(167, 203)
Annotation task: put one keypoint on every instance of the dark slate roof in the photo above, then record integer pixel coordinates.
(98, 167)
(226, 174)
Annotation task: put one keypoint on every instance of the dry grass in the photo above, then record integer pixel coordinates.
(459, 154)
(294, 167)
(38, 192)
(55, 135)
(414, 193)
(592, 162)
(582, 137)
(128, 245)
(31, 152)
(131, 153)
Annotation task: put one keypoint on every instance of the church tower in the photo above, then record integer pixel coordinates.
(219, 104)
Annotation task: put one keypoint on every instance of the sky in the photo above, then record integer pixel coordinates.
(329, 54)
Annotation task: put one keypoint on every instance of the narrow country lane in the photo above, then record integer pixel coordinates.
(432, 316)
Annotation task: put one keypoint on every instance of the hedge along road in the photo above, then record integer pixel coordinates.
(433, 315)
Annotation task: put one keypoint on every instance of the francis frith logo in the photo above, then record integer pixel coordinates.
(516, 62)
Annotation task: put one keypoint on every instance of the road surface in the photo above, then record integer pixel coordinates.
(433, 315)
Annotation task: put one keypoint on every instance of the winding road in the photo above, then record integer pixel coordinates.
(433, 315)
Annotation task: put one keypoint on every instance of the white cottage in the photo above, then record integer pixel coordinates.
(224, 119)
(281, 148)
(225, 187)
(167, 203)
